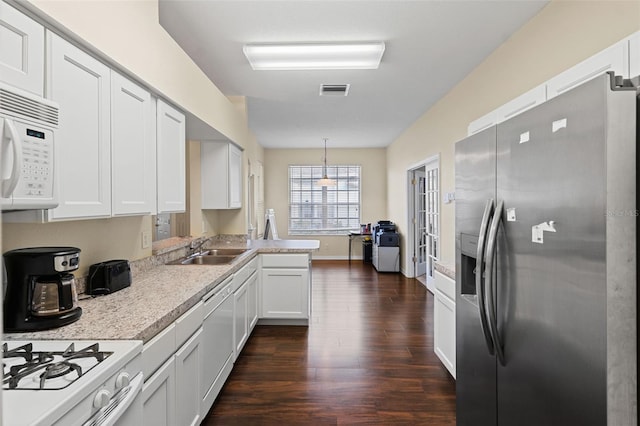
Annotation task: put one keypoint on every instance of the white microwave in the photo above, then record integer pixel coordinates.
(27, 163)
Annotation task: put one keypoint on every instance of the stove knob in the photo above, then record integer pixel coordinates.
(123, 380)
(102, 398)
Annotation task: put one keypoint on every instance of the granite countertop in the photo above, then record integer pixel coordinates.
(157, 297)
(446, 268)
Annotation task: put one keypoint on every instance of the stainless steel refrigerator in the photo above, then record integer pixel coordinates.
(546, 269)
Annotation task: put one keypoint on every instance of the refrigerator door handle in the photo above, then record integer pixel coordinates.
(491, 282)
(480, 272)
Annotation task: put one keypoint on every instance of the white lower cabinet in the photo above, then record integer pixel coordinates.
(217, 343)
(252, 301)
(240, 323)
(444, 321)
(188, 361)
(159, 396)
(285, 286)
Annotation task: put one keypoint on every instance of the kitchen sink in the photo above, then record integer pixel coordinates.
(221, 256)
(225, 252)
(204, 260)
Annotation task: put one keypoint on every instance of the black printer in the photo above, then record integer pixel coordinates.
(385, 234)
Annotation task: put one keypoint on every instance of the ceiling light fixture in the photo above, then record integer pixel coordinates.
(314, 56)
(325, 181)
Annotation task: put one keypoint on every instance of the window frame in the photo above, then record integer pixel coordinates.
(333, 173)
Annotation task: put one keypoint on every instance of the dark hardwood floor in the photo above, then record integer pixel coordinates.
(366, 358)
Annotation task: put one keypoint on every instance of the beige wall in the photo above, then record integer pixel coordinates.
(127, 34)
(373, 193)
(561, 35)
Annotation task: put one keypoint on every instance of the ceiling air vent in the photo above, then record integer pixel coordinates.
(334, 89)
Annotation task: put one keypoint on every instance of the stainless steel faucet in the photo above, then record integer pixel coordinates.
(195, 247)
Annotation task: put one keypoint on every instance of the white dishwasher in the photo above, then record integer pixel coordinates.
(217, 342)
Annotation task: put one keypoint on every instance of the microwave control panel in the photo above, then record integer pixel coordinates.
(36, 176)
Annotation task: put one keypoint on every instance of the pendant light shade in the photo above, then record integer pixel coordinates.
(325, 181)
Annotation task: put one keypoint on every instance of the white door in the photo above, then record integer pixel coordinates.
(240, 320)
(235, 177)
(133, 148)
(159, 396)
(432, 213)
(188, 373)
(80, 84)
(420, 221)
(171, 159)
(21, 50)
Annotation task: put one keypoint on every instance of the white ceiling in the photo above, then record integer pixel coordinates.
(430, 47)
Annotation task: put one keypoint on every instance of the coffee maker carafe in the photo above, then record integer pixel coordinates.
(40, 290)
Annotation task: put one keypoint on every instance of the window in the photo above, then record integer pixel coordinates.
(323, 210)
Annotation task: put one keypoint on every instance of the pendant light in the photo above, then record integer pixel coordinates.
(325, 181)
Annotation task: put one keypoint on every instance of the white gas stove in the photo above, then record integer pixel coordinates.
(79, 382)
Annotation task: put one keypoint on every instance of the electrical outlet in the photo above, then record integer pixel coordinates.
(146, 239)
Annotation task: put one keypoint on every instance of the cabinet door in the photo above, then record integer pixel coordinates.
(526, 101)
(483, 122)
(241, 325)
(444, 330)
(21, 50)
(133, 149)
(170, 145)
(235, 177)
(188, 373)
(80, 84)
(614, 58)
(252, 301)
(159, 396)
(634, 55)
(285, 293)
(221, 174)
(214, 172)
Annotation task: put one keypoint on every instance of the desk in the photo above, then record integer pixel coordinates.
(352, 235)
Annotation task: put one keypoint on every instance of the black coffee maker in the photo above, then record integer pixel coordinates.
(40, 290)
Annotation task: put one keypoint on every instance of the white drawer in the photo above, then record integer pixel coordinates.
(188, 323)
(446, 285)
(245, 272)
(285, 260)
(157, 350)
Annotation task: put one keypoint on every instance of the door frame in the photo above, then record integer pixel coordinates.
(411, 237)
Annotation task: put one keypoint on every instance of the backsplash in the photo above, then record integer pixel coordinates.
(165, 251)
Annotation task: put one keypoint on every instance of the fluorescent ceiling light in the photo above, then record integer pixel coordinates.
(341, 56)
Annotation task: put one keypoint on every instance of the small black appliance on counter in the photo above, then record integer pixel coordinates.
(40, 290)
(108, 277)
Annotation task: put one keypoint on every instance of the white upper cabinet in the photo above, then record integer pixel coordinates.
(623, 58)
(634, 55)
(235, 177)
(133, 148)
(221, 172)
(170, 145)
(522, 103)
(483, 122)
(80, 84)
(614, 58)
(21, 50)
(512, 108)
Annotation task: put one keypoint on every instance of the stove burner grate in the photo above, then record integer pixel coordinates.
(44, 366)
